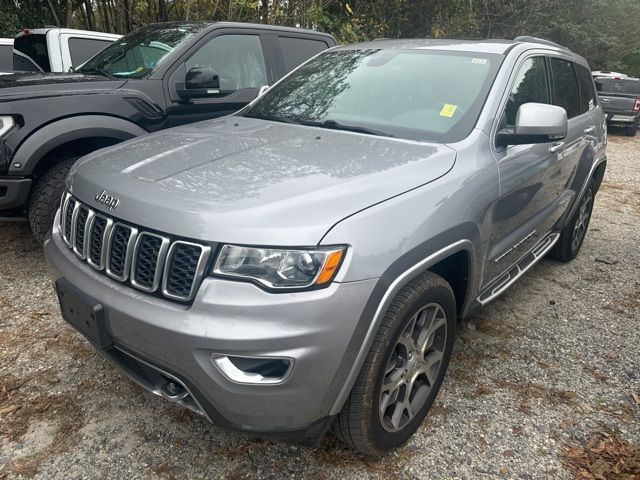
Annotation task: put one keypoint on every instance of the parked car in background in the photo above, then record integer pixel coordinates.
(620, 100)
(6, 56)
(302, 264)
(56, 49)
(157, 77)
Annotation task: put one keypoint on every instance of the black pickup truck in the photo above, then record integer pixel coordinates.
(620, 101)
(160, 76)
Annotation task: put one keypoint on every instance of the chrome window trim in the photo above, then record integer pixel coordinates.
(205, 252)
(128, 253)
(90, 214)
(105, 236)
(159, 270)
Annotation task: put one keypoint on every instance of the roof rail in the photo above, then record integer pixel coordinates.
(529, 38)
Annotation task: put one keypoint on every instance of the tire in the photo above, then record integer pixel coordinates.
(362, 424)
(630, 130)
(45, 198)
(575, 230)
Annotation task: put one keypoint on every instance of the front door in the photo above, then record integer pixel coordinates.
(530, 177)
(239, 60)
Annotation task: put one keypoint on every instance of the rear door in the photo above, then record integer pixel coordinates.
(581, 137)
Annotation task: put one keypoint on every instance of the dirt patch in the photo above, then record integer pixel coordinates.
(606, 456)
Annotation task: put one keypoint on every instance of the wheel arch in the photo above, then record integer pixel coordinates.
(450, 259)
(79, 134)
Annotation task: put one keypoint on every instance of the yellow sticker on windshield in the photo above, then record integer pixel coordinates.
(448, 110)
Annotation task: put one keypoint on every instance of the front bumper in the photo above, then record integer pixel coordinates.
(314, 329)
(14, 192)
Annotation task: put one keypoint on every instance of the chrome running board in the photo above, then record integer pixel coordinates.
(525, 263)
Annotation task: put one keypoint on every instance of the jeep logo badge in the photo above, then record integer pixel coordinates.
(107, 200)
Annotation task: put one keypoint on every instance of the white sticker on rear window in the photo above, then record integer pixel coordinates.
(479, 61)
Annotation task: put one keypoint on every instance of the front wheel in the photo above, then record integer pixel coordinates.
(45, 198)
(575, 231)
(404, 369)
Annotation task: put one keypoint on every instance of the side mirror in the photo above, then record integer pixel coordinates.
(200, 82)
(535, 123)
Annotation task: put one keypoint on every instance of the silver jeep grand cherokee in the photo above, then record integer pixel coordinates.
(302, 264)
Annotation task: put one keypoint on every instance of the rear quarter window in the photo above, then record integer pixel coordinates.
(298, 50)
(33, 46)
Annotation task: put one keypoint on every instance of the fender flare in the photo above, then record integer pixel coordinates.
(389, 287)
(45, 139)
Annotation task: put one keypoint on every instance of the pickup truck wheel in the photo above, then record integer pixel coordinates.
(45, 198)
(404, 369)
(630, 130)
(575, 231)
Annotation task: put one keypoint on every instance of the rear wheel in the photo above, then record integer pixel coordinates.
(45, 198)
(403, 370)
(575, 231)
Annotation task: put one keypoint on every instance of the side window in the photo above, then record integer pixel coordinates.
(237, 59)
(82, 49)
(6, 58)
(587, 94)
(298, 50)
(531, 85)
(22, 63)
(566, 86)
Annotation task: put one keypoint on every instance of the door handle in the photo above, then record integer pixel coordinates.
(590, 130)
(556, 147)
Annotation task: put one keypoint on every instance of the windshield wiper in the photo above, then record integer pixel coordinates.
(99, 71)
(334, 125)
(274, 118)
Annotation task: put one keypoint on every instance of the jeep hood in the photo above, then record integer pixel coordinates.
(29, 85)
(242, 180)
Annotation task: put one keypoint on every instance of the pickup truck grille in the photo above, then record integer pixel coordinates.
(149, 261)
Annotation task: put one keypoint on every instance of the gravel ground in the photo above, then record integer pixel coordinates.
(551, 363)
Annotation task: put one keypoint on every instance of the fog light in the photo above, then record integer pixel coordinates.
(253, 370)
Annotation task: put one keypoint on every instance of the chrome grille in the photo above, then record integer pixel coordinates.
(150, 251)
(69, 207)
(97, 233)
(183, 265)
(146, 260)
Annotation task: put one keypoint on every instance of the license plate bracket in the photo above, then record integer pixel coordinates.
(83, 313)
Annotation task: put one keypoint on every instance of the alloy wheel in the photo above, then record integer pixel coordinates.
(582, 222)
(413, 367)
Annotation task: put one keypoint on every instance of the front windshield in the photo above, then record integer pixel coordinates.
(136, 55)
(423, 95)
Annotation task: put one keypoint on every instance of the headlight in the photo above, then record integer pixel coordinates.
(280, 268)
(6, 124)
